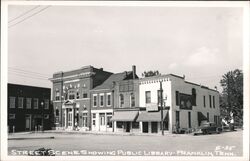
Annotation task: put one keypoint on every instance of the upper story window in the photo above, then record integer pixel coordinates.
(177, 98)
(101, 100)
(210, 101)
(132, 100)
(46, 104)
(57, 95)
(28, 103)
(85, 95)
(12, 102)
(126, 87)
(204, 101)
(108, 99)
(77, 95)
(94, 100)
(35, 103)
(193, 97)
(20, 102)
(213, 102)
(71, 95)
(148, 96)
(121, 99)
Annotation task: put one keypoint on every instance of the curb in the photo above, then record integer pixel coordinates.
(22, 138)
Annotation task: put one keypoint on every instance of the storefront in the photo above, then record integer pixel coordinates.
(71, 115)
(101, 120)
(125, 121)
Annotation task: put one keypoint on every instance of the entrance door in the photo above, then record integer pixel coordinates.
(27, 123)
(154, 127)
(70, 119)
(127, 126)
(145, 127)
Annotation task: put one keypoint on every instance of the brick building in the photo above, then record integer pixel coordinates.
(29, 108)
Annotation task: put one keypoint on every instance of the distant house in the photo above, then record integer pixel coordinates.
(29, 108)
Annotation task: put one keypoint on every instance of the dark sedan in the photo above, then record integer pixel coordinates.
(208, 128)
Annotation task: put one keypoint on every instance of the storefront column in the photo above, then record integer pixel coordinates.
(114, 126)
(140, 125)
(73, 118)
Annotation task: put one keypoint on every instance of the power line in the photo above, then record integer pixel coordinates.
(29, 17)
(26, 71)
(43, 79)
(27, 74)
(23, 14)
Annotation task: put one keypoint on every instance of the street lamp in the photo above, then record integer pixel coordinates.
(42, 104)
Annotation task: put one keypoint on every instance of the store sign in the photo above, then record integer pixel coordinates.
(185, 101)
(151, 107)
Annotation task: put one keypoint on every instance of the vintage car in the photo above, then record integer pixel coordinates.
(208, 128)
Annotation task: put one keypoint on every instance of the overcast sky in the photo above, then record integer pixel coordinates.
(200, 43)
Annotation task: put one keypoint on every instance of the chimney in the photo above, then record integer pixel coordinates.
(134, 71)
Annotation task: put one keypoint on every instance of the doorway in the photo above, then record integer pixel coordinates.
(127, 126)
(154, 127)
(145, 127)
(28, 123)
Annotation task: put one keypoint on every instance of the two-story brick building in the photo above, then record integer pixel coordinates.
(71, 95)
(105, 99)
(29, 108)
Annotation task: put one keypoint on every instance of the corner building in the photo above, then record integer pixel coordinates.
(71, 96)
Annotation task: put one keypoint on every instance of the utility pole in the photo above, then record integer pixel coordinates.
(161, 91)
(61, 101)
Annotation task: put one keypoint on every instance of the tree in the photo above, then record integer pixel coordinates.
(231, 99)
(150, 73)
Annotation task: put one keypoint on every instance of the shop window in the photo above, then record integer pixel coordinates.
(20, 102)
(135, 125)
(93, 119)
(12, 102)
(132, 100)
(148, 96)
(57, 112)
(119, 124)
(121, 100)
(193, 97)
(28, 103)
(109, 122)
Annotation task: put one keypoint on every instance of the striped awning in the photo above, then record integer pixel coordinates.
(145, 116)
(125, 116)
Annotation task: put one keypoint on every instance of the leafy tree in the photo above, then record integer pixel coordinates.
(231, 98)
(150, 73)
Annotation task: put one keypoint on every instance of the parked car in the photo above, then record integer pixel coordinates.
(208, 128)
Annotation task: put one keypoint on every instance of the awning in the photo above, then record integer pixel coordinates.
(145, 116)
(201, 117)
(125, 116)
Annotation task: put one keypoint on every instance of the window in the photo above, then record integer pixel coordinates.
(109, 99)
(177, 100)
(213, 102)
(132, 100)
(121, 100)
(77, 95)
(193, 97)
(119, 124)
(210, 101)
(94, 100)
(109, 122)
(126, 87)
(20, 102)
(177, 118)
(46, 104)
(102, 119)
(94, 115)
(71, 95)
(85, 95)
(101, 100)
(35, 103)
(12, 116)
(46, 116)
(148, 96)
(204, 101)
(93, 122)
(189, 119)
(12, 102)
(57, 95)
(135, 125)
(208, 116)
(93, 119)
(28, 103)
(57, 112)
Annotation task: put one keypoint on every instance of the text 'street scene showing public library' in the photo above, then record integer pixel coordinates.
(125, 81)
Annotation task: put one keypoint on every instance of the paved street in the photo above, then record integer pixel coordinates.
(227, 143)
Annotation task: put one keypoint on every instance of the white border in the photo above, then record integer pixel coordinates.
(4, 40)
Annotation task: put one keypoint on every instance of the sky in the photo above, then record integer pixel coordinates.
(202, 43)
